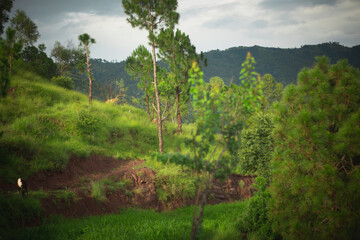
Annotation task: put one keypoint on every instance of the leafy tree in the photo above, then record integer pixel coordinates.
(12, 48)
(68, 58)
(139, 66)
(25, 28)
(316, 175)
(36, 60)
(5, 7)
(215, 144)
(152, 15)
(271, 89)
(257, 146)
(86, 41)
(176, 49)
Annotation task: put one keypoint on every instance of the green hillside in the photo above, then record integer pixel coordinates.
(42, 125)
(283, 64)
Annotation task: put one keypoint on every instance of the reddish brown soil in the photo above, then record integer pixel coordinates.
(141, 192)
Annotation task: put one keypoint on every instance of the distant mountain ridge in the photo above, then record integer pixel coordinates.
(283, 64)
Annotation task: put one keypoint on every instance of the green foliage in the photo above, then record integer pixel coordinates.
(4, 70)
(5, 9)
(272, 91)
(98, 190)
(219, 118)
(87, 124)
(36, 60)
(282, 63)
(176, 49)
(63, 81)
(256, 221)
(140, 67)
(43, 125)
(175, 183)
(257, 146)
(163, 14)
(68, 58)
(25, 28)
(316, 158)
(17, 211)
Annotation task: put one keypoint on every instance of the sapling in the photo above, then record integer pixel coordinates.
(220, 115)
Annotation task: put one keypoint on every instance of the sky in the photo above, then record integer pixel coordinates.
(210, 24)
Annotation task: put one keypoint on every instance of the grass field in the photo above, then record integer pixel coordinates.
(220, 222)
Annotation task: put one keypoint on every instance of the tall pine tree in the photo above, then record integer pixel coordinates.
(152, 15)
(316, 174)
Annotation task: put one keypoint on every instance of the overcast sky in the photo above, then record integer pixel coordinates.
(211, 24)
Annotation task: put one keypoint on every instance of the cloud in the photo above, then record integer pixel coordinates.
(294, 4)
(259, 24)
(211, 24)
(51, 10)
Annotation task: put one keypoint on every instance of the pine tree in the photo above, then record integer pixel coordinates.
(86, 41)
(139, 66)
(316, 174)
(176, 49)
(152, 15)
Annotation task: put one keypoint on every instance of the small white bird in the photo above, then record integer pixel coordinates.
(22, 186)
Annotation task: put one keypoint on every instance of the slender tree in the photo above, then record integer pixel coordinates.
(152, 15)
(12, 47)
(176, 49)
(86, 41)
(139, 66)
(25, 28)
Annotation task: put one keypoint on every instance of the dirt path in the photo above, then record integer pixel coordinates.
(140, 191)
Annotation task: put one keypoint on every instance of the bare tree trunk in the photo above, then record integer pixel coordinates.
(158, 110)
(197, 219)
(179, 129)
(147, 104)
(90, 79)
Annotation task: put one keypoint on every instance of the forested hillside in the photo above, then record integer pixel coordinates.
(283, 64)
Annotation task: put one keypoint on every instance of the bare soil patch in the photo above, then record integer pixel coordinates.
(140, 192)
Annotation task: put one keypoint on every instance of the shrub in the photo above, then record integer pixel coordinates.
(257, 218)
(63, 81)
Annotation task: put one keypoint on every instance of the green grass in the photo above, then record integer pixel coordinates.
(43, 125)
(220, 222)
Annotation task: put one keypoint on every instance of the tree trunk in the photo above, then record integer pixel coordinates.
(10, 65)
(90, 79)
(179, 129)
(147, 105)
(158, 110)
(197, 219)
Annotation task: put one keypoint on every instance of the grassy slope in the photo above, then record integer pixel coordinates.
(43, 125)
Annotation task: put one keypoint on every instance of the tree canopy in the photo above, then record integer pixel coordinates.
(25, 28)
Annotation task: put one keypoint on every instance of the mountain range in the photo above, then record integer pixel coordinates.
(283, 64)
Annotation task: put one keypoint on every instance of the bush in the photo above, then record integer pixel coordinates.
(257, 218)
(63, 81)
